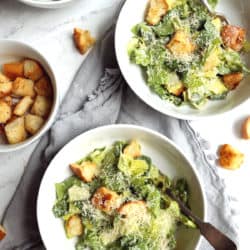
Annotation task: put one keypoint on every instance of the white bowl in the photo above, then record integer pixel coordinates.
(164, 153)
(49, 4)
(13, 51)
(133, 12)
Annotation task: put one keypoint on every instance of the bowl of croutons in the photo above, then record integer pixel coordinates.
(28, 95)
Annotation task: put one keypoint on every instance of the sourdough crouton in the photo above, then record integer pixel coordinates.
(43, 87)
(23, 87)
(74, 226)
(7, 99)
(41, 106)
(132, 208)
(5, 112)
(133, 149)
(233, 37)
(156, 10)
(231, 81)
(230, 158)
(2, 232)
(83, 40)
(105, 200)
(181, 44)
(33, 123)
(5, 88)
(174, 85)
(15, 131)
(13, 70)
(23, 106)
(5, 85)
(246, 129)
(87, 171)
(178, 91)
(32, 70)
(3, 78)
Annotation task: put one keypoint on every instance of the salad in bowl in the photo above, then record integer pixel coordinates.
(187, 55)
(117, 199)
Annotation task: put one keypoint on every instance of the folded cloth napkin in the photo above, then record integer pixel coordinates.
(99, 96)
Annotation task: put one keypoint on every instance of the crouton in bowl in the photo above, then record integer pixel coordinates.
(28, 95)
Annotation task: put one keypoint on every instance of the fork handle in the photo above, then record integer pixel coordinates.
(216, 238)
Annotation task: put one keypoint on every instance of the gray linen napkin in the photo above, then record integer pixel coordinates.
(99, 96)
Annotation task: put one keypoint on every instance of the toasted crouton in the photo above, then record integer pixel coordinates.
(23, 87)
(133, 149)
(5, 85)
(15, 131)
(5, 88)
(230, 158)
(43, 87)
(23, 106)
(156, 9)
(133, 208)
(231, 81)
(106, 200)
(181, 44)
(13, 70)
(178, 91)
(74, 226)
(87, 171)
(174, 85)
(32, 70)
(41, 106)
(5, 112)
(233, 37)
(33, 123)
(7, 99)
(2, 232)
(246, 129)
(83, 40)
(3, 78)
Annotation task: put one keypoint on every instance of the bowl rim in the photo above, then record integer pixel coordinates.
(120, 127)
(5, 148)
(42, 4)
(178, 115)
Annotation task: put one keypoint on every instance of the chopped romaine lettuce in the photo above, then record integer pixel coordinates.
(62, 188)
(213, 3)
(77, 193)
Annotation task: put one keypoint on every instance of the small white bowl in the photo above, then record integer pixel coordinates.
(11, 51)
(164, 153)
(48, 4)
(132, 13)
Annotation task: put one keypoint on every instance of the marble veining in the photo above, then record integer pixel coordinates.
(50, 31)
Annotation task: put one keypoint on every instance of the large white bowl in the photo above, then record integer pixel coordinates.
(49, 4)
(167, 156)
(133, 12)
(13, 51)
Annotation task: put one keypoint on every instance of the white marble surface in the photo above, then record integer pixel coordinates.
(50, 31)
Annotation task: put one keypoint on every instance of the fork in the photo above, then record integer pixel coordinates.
(222, 17)
(216, 238)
